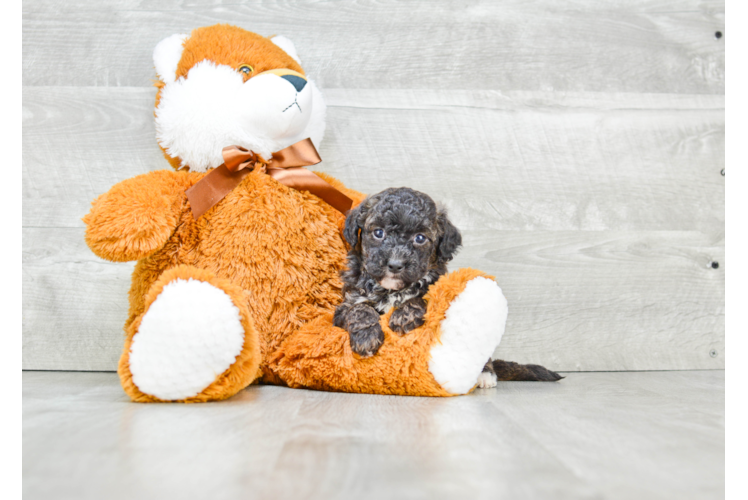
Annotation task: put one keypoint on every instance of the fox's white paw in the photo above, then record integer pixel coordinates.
(189, 336)
(470, 332)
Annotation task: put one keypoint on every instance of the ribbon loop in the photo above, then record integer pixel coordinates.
(286, 167)
(237, 158)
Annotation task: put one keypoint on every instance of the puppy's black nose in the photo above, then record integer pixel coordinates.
(296, 81)
(395, 265)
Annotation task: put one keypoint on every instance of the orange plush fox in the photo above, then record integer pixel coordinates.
(246, 292)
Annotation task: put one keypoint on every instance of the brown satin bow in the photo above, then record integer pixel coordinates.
(286, 167)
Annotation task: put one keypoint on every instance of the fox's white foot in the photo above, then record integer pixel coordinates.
(470, 332)
(189, 336)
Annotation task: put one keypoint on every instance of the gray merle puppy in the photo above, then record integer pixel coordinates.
(400, 245)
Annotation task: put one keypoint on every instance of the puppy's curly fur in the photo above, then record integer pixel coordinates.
(400, 244)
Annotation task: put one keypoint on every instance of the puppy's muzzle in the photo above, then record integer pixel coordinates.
(390, 282)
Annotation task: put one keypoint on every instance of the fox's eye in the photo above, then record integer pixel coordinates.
(246, 69)
(420, 239)
(378, 233)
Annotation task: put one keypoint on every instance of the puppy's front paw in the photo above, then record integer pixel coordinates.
(409, 316)
(367, 341)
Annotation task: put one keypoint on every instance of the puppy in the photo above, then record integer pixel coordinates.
(400, 245)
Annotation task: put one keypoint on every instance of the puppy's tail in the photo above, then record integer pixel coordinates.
(509, 370)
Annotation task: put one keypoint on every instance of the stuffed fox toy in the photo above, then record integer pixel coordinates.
(246, 291)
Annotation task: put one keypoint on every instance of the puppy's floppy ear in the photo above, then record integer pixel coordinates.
(354, 222)
(450, 238)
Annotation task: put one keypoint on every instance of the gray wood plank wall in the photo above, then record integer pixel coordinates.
(579, 145)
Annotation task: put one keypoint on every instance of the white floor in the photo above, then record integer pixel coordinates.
(634, 435)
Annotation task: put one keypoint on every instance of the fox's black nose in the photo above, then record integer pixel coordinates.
(395, 265)
(296, 81)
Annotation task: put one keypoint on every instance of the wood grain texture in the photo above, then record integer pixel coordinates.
(646, 46)
(620, 433)
(659, 182)
(497, 161)
(454, 448)
(607, 300)
(78, 143)
(578, 145)
(578, 300)
(525, 162)
(593, 435)
(729, 264)
(74, 304)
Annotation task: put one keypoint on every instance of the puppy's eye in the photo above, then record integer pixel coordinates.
(420, 239)
(378, 233)
(246, 69)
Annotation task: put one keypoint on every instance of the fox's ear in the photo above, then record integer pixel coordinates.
(166, 57)
(287, 46)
